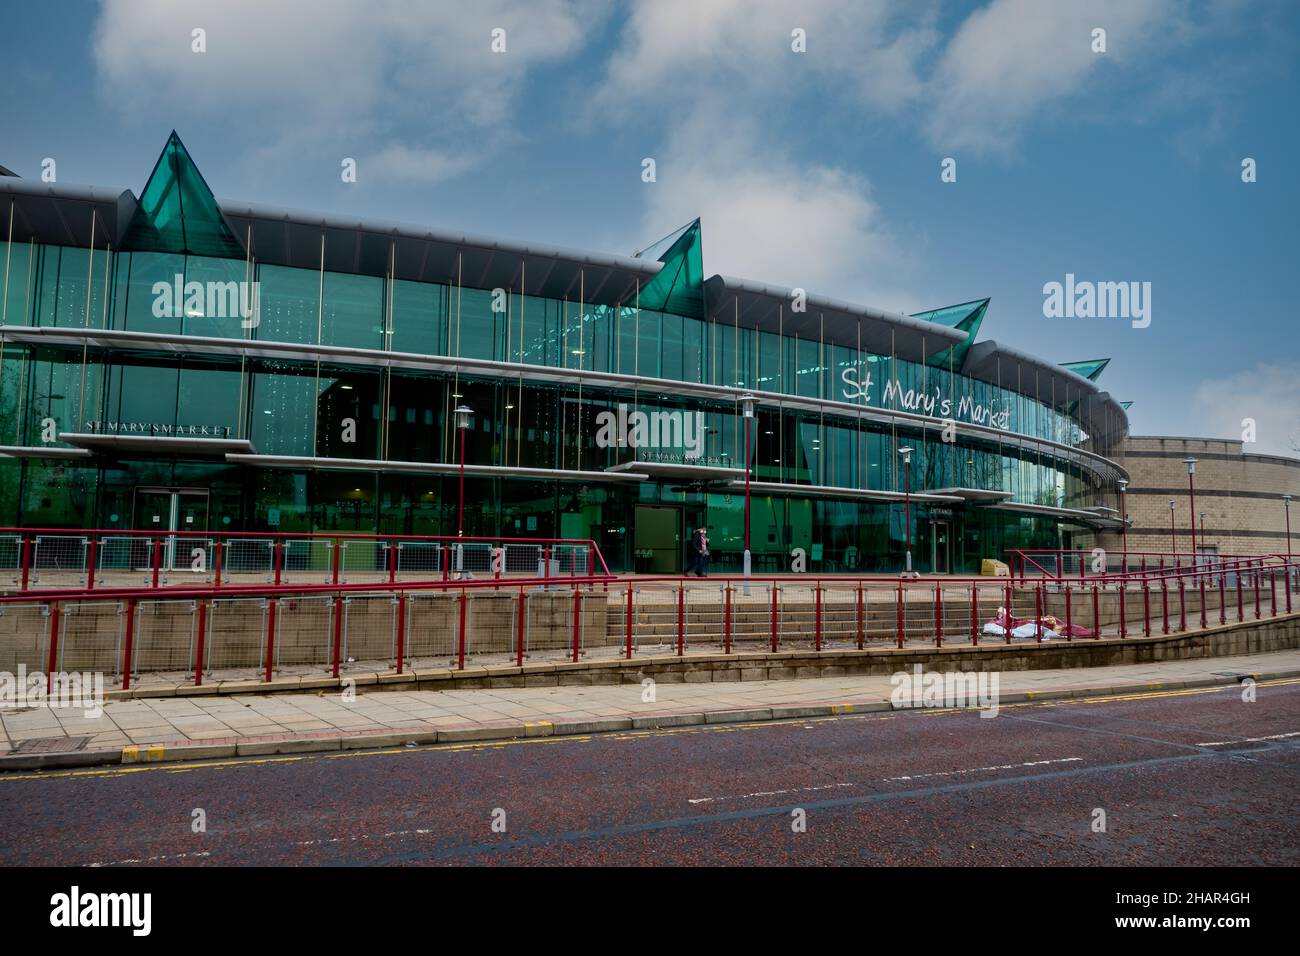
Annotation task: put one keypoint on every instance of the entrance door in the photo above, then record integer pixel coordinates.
(168, 510)
(656, 540)
(942, 553)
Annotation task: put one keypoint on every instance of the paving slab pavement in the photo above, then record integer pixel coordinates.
(199, 728)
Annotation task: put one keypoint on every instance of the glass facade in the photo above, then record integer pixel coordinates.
(364, 407)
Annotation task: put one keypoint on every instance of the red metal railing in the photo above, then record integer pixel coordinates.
(187, 634)
(1083, 564)
(42, 559)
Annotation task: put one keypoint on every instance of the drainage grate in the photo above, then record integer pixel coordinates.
(50, 745)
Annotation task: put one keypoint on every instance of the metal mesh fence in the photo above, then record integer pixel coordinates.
(59, 561)
(90, 636)
(24, 636)
(248, 561)
(11, 559)
(236, 638)
(164, 637)
(304, 631)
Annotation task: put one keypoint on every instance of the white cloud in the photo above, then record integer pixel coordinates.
(769, 218)
(718, 80)
(398, 161)
(1268, 393)
(1014, 59)
(322, 74)
(866, 50)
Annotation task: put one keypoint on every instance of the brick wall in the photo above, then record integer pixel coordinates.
(1241, 495)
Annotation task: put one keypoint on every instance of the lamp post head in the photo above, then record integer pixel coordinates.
(1171, 504)
(747, 404)
(906, 452)
(1286, 502)
(1191, 465)
(464, 414)
(1123, 484)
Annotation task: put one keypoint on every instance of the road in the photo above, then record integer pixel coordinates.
(1183, 777)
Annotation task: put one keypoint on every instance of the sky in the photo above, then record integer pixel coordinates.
(1114, 157)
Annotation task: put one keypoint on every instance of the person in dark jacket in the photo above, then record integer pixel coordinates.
(699, 553)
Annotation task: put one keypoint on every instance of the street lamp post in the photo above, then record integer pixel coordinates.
(1191, 502)
(464, 415)
(1173, 535)
(1123, 520)
(906, 452)
(747, 405)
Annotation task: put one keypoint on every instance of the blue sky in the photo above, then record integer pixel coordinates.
(818, 169)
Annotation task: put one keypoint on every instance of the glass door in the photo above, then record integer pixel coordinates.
(942, 551)
(153, 513)
(167, 510)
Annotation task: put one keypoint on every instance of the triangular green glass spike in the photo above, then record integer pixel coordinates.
(965, 317)
(679, 286)
(1090, 369)
(1126, 405)
(177, 212)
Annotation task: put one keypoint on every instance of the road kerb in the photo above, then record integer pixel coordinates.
(185, 751)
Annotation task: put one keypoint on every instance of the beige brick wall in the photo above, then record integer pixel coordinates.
(1240, 493)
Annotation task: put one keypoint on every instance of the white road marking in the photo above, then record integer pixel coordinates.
(1249, 740)
(919, 776)
(151, 859)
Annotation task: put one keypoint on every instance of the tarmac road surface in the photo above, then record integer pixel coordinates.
(1181, 777)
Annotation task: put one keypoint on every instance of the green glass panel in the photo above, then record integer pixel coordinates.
(15, 306)
(966, 317)
(353, 311)
(289, 304)
(177, 211)
(227, 299)
(1090, 369)
(420, 317)
(679, 285)
(151, 273)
